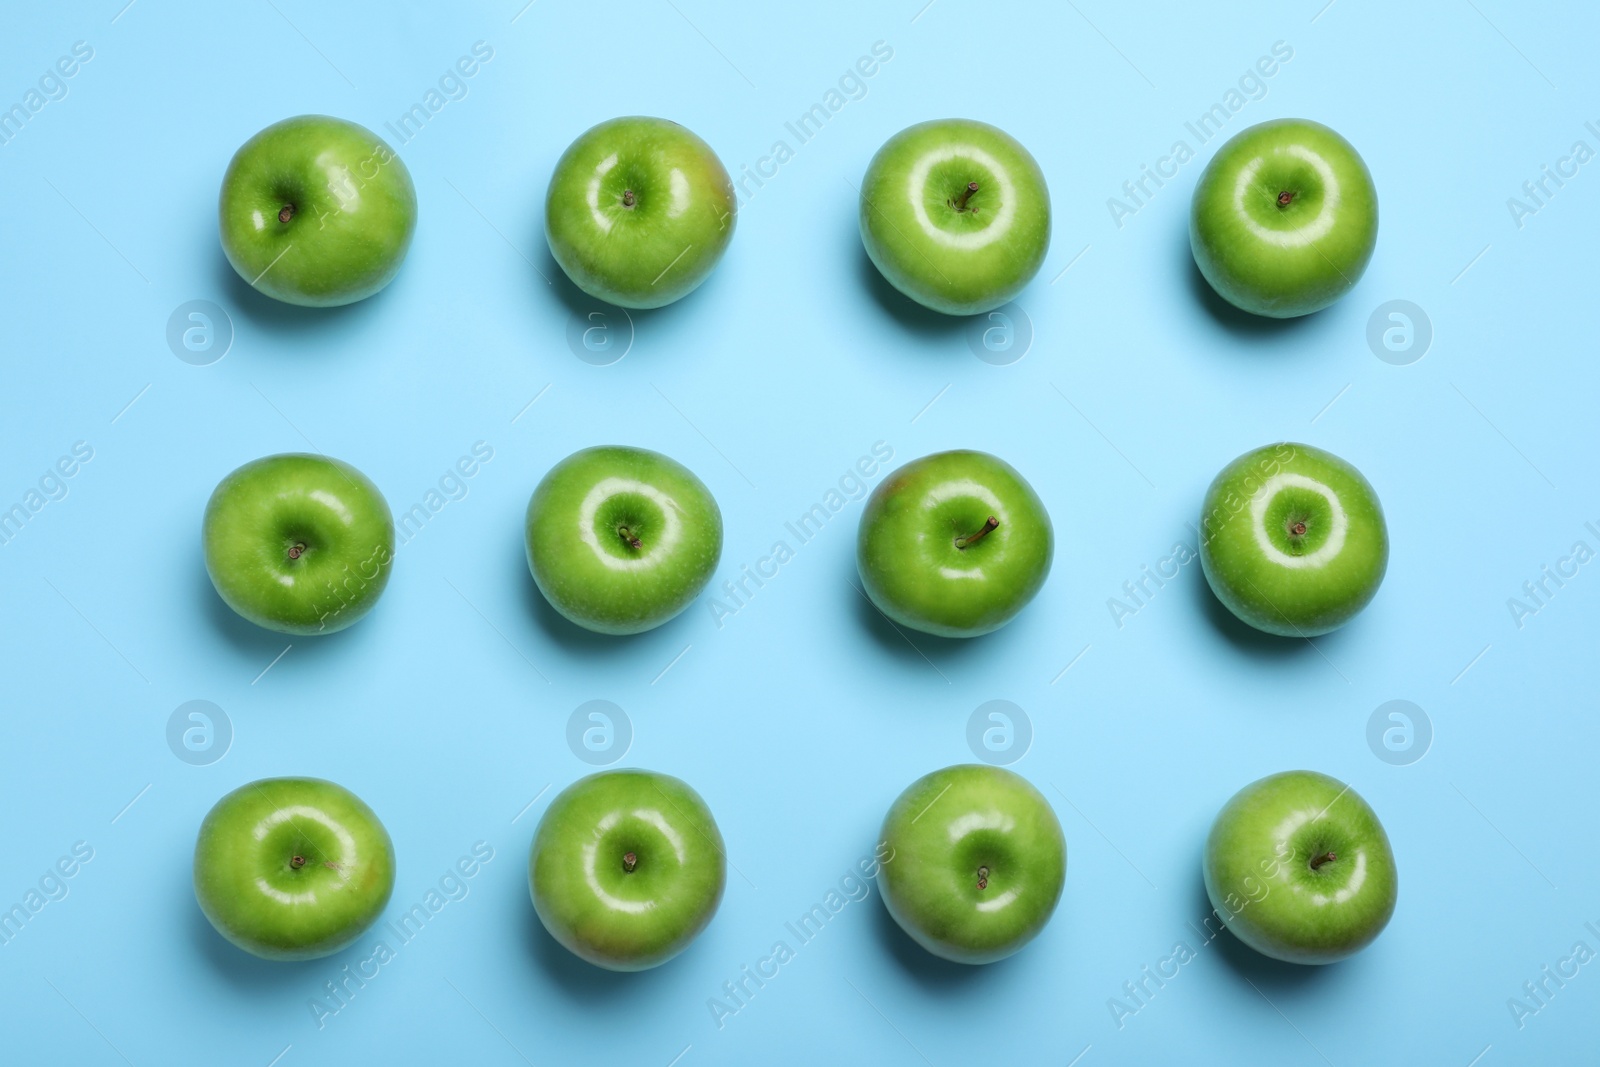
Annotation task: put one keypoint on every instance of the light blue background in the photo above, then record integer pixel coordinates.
(801, 717)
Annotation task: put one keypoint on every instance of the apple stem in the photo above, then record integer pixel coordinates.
(1298, 529)
(286, 213)
(296, 862)
(1284, 198)
(627, 198)
(1326, 857)
(972, 538)
(297, 550)
(628, 536)
(983, 878)
(960, 202)
(629, 861)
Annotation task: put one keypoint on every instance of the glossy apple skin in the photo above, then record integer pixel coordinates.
(1284, 260)
(298, 543)
(663, 246)
(1261, 883)
(959, 260)
(1293, 586)
(620, 919)
(580, 559)
(355, 211)
(906, 547)
(941, 830)
(250, 887)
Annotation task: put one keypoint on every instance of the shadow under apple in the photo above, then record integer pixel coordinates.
(1273, 976)
(584, 984)
(292, 322)
(924, 323)
(579, 304)
(1242, 325)
(912, 648)
(255, 643)
(932, 972)
(575, 640)
(1241, 635)
(238, 969)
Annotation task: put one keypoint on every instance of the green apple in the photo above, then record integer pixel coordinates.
(292, 868)
(317, 211)
(627, 867)
(978, 862)
(956, 215)
(639, 211)
(954, 544)
(622, 539)
(1284, 218)
(298, 543)
(1299, 868)
(1293, 540)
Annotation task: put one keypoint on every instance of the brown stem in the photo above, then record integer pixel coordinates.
(1298, 529)
(973, 538)
(630, 860)
(960, 202)
(1326, 857)
(1284, 198)
(286, 213)
(297, 550)
(627, 198)
(983, 878)
(628, 535)
(296, 862)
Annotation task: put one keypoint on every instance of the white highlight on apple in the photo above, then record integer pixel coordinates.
(1351, 887)
(680, 193)
(610, 487)
(1309, 234)
(334, 504)
(964, 488)
(592, 193)
(347, 846)
(991, 233)
(1258, 509)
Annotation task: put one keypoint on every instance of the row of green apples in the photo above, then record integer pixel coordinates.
(954, 213)
(628, 867)
(622, 539)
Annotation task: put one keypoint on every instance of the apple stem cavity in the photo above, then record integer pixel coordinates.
(297, 550)
(296, 862)
(983, 531)
(633, 541)
(286, 213)
(983, 878)
(627, 198)
(1297, 529)
(960, 202)
(1285, 198)
(1326, 857)
(630, 861)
